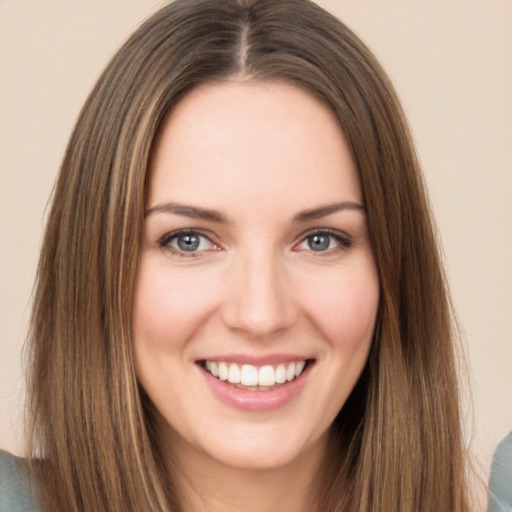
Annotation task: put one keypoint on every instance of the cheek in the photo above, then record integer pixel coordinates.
(358, 305)
(343, 310)
(345, 306)
(169, 306)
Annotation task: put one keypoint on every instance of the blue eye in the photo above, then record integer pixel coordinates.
(186, 242)
(319, 242)
(323, 241)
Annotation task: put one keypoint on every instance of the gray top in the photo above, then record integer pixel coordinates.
(16, 493)
(500, 483)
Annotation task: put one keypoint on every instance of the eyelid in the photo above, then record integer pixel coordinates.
(164, 242)
(344, 239)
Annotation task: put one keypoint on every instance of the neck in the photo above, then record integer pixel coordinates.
(206, 485)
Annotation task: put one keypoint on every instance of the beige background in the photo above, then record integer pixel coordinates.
(451, 62)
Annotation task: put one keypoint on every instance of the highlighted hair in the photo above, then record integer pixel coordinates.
(396, 444)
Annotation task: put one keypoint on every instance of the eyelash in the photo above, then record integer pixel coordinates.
(165, 242)
(343, 240)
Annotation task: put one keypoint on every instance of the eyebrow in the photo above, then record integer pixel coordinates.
(196, 212)
(193, 212)
(324, 211)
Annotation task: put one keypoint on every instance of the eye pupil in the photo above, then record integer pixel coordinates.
(318, 242)
(188, 242)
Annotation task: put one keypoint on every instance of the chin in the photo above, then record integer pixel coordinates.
(259, 449)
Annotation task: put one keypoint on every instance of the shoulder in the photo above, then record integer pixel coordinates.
(16, 494)
(500, 483)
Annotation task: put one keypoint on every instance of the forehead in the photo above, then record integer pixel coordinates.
(252, 142)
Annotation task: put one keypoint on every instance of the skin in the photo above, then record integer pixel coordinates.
(259, 155)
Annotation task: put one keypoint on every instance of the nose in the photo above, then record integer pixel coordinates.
(259, 300)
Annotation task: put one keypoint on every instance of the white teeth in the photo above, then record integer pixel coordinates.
(266, 376)
(290, 372)
(249, 375)
(214, 369)
(234, 374)
(223, 371)
(281, 374)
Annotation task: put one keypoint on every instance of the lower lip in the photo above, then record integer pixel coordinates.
(246, 400)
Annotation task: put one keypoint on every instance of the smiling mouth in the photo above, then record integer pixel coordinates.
(255, 378)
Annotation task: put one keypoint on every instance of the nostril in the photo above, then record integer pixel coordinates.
(259, 320)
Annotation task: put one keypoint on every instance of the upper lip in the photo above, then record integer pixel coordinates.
(255, 360)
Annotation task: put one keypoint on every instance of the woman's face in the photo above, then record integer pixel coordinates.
(257, 290)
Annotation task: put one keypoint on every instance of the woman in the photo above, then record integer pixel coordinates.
(240, 302)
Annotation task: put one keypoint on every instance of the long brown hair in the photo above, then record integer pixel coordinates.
(396, 444)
